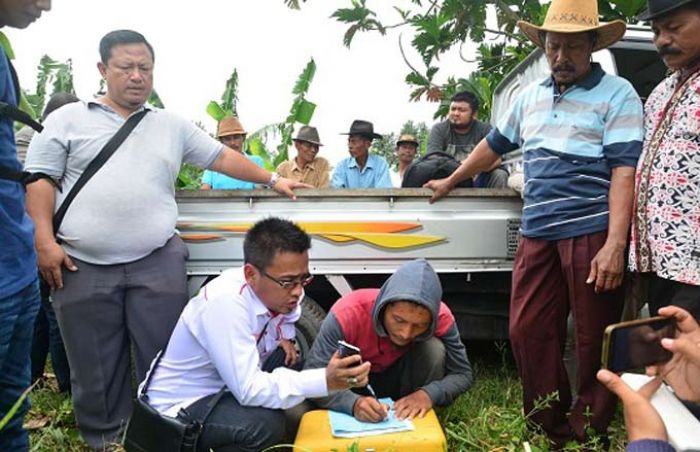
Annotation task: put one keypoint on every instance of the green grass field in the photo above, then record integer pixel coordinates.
(487, 418)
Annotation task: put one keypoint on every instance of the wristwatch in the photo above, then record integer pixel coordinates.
(273, 180)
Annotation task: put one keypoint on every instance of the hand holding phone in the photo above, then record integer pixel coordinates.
(345, 350)
(636, 344)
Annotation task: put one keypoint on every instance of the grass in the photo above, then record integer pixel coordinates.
(487, 418)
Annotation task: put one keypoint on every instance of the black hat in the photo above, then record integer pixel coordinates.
(656, 8)
(363, 128)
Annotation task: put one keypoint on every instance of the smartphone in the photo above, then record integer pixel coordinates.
(637, 343)
(345, 349)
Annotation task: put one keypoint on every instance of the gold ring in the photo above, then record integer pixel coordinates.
(352, 381)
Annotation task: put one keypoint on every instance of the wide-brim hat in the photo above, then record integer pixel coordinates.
(407, 138)
(656, 8)
(230, 125)
(575, 16)
(308, 134)
(363, 128)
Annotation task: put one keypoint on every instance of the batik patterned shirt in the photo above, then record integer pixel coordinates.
(670, 218)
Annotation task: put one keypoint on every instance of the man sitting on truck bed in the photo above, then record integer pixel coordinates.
(408, 335)
(361, 169)
(459, 134)
(580, 131)
(226, 337)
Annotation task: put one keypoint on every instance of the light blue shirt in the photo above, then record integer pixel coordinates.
(571, 141)
(218, 181)
(375, 174)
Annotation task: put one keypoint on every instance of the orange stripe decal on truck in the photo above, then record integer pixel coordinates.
(383, 234)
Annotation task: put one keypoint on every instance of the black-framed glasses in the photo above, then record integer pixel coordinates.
(286, 284)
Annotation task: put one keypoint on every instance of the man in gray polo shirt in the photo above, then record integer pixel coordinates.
(118, 275)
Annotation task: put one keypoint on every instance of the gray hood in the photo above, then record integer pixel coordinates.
(414, 281)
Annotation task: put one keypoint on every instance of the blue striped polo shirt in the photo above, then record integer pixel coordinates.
(570, 143)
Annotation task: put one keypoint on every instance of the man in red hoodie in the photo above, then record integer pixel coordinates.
(410, 338)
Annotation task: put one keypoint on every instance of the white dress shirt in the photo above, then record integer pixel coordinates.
(217, 342)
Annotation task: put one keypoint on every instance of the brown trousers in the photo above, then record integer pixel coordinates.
(549, 279)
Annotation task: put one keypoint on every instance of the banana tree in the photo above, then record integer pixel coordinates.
(51, 72)
(301, 111)
(229, 99)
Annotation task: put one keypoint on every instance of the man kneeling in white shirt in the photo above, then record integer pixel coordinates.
(227, 335)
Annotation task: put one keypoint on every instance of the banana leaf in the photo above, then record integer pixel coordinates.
(215, 111)
(305, 111)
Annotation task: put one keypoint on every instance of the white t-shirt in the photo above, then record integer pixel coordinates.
(215, 343)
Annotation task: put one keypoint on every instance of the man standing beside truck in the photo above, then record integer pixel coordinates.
(116, 265)
(666, 222)
(580, 131)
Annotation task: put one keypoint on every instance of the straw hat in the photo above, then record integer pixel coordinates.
(575, 16)
(407, 138)
(230, 125)
(308, 134)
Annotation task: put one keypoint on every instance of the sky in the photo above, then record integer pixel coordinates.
(198, 44)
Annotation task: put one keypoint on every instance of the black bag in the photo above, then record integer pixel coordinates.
(436, 165)
(150, 431)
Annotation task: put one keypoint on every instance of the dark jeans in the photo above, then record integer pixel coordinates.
(231, 427)
(47, 339)
(17, 314)
(664, 292)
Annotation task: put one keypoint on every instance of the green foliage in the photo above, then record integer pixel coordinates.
(189, 177)
(229, 100)
(155, 100)
(386, 146)
(301, 111)
(50, 73)
(441, 25)
(13, 409)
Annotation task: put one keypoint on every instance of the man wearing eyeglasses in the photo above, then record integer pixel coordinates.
(229, 334)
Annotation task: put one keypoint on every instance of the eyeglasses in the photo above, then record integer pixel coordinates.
(302, 281)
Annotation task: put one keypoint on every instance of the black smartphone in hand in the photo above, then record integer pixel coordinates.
(345, 350)
(636, 344)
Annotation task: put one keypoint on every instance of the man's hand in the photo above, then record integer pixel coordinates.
(286, 187)
(440, 188)
(50, 258)
(642, 421)
(607, 268)
(345, 373)
(682, 372)
(416, 404)
(290, 352)
(369, 409)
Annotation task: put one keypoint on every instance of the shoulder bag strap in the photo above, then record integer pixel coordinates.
(96, 163)
(143, 394)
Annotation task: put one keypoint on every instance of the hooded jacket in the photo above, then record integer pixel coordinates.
(357, 318)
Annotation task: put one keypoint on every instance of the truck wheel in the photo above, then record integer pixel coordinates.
(308, 325)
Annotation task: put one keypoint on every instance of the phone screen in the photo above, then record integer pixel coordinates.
(636, 344)
(345, 349)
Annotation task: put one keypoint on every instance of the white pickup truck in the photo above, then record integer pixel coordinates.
(360, 236)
